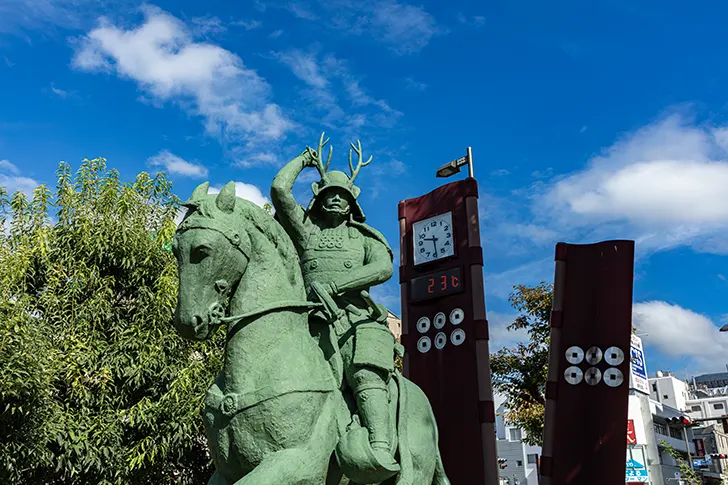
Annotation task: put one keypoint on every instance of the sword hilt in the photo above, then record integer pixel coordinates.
(376, 310)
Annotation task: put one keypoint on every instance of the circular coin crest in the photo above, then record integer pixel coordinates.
(592, 376)
(594, 355)
(423, 324)
(573, 375)
(440, 320)
(614, 356)
(457, 337)
(457, 316)
(424, 344)
(574, 355)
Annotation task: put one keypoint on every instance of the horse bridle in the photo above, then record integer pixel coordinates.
(216, 311)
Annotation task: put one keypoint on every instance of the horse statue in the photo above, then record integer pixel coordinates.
(275, 413)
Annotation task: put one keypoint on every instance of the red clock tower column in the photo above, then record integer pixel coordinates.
(445, 332)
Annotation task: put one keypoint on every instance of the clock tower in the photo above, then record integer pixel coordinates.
(444, 326)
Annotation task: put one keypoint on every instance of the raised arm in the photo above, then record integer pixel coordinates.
(290, 213)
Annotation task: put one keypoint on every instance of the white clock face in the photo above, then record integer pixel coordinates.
(433, 238)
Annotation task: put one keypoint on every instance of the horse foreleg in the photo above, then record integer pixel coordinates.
(295, 466)
(308, 462)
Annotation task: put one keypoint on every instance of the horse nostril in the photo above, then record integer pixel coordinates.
(197, 320)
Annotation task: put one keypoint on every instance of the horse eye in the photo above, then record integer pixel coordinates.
(200, 252)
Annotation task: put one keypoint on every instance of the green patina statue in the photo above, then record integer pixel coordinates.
(308, 393)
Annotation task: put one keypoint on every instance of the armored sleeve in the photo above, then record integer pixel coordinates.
(289, 213)
(376, 270)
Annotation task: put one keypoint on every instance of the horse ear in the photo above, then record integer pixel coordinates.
(197, 194)
(225, 200)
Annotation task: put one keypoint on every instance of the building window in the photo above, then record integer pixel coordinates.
(675, 433)
(695, 408)
(515, 434)
(718, 405)
(519, 463)
(665, 396)
(660, 429)
(532, 458)
(654, 387)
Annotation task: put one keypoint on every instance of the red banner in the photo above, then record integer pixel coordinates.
(631, 435)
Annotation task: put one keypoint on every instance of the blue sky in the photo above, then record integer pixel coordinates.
(590, 121)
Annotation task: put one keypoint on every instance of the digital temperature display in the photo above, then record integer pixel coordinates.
(435, 285)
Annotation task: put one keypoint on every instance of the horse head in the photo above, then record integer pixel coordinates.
(229, 252)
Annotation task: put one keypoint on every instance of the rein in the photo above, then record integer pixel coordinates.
(236, 319)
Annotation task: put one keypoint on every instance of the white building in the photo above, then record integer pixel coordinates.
(669, 391)
(521, 465)
(395, 325)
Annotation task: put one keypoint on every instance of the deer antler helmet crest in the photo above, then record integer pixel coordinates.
(337, 178)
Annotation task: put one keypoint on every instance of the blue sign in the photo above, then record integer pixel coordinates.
(634, 464)
(636, 475)
(636, 472)
(638, 363)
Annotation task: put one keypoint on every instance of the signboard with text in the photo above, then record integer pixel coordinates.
(638, 367)
(631, 433)
(636, 472)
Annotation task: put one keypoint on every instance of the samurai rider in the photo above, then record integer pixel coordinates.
(341, 258)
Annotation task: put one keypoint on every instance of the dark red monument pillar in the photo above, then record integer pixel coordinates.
(444, 328)
(587, 389)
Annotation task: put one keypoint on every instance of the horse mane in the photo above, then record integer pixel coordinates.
(248, 212)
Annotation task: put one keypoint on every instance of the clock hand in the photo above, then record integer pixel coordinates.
(434, 241)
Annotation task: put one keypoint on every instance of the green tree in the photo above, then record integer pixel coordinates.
(520, 372)
(95, 384)
(686, 472)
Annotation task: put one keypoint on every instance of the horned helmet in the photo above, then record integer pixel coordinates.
(337, 178)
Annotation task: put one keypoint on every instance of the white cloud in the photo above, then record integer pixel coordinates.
(662, 174)
(531, 232)
(679, 332)
(325, 77)
(162, 57)
(500, 285)
(62, 93)
(6, 166)
(208, 25)
(247, 24)
(246, 191)
(405, 28)
(304, 66)
(663, 185)
(175, 165)
(498, 333)
(17, 15)
(301, 11)
(410, 83)
(11, 179)
(258, 159)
